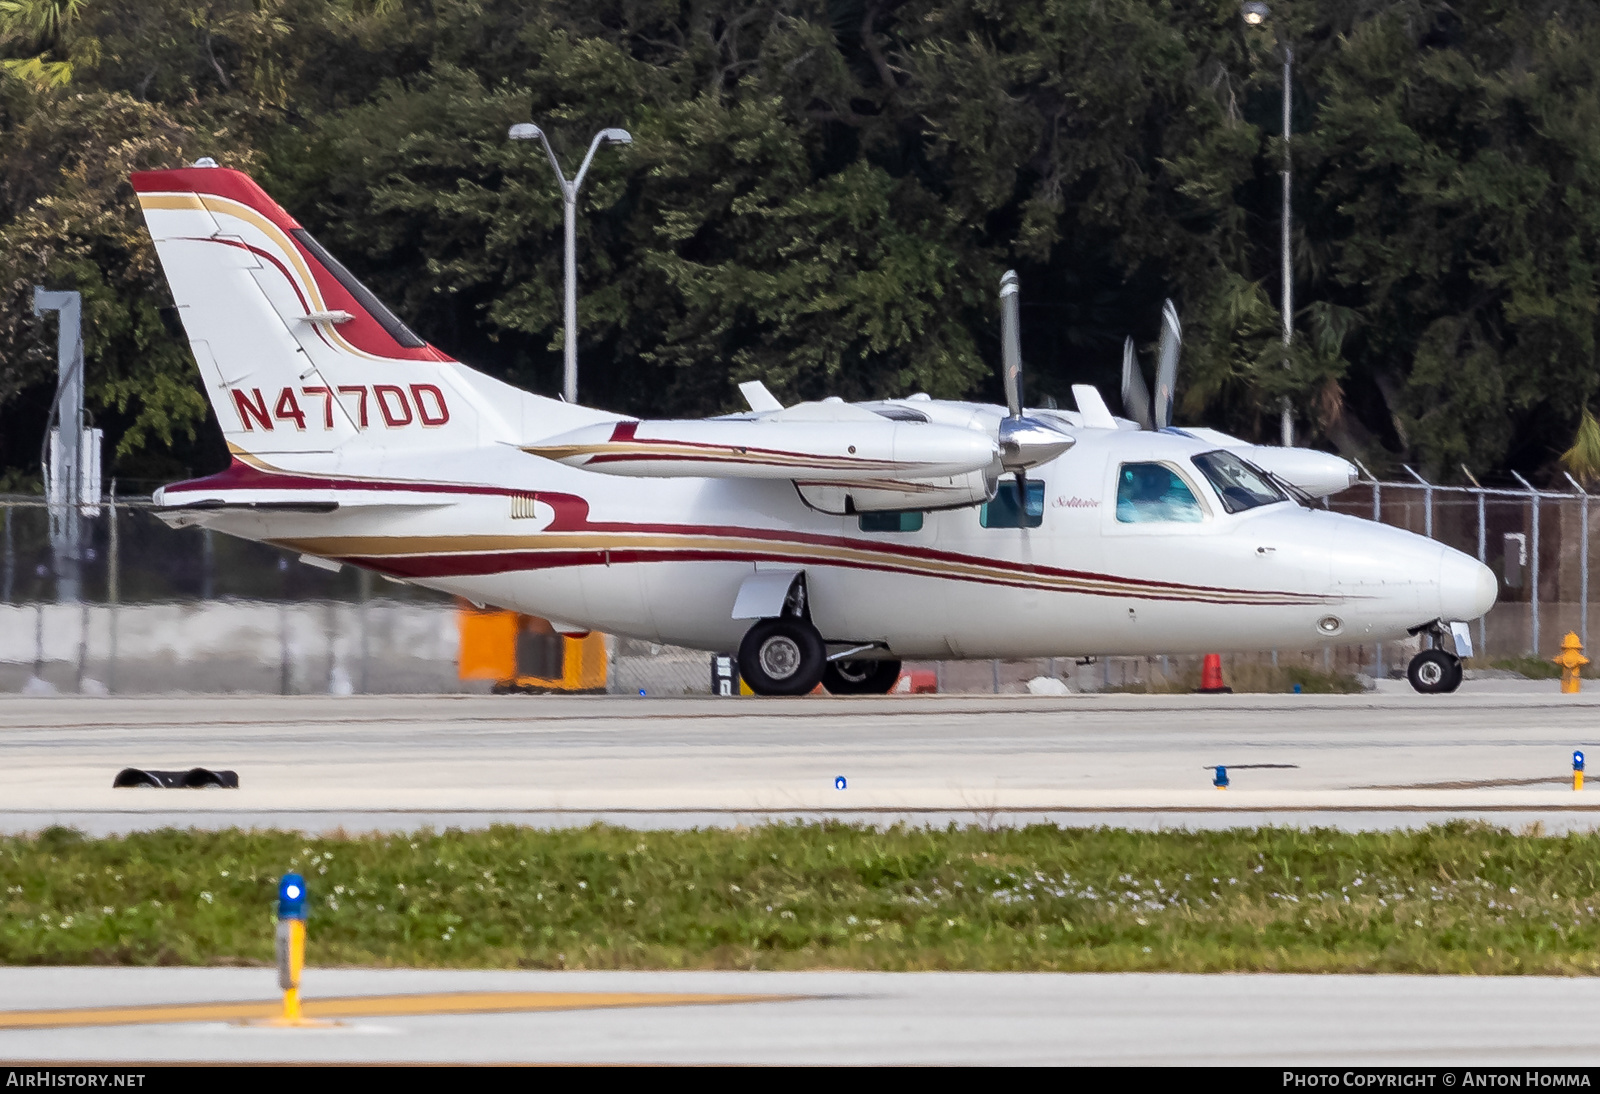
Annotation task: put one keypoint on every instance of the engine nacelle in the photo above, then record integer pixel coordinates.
(1317, 473)
(888, 495)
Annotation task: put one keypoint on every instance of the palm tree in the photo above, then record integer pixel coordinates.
(1583, 458)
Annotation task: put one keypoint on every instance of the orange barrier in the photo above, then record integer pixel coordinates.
(919, 682)
(1211, 675)
(524, 653)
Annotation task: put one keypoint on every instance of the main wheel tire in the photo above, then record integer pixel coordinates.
(782, 657)
(860, 677)
(1434, 672)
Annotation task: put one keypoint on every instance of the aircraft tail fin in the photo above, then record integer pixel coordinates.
(297, 355)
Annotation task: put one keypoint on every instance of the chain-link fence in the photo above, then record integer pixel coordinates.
(146, 608)
(1536, 541)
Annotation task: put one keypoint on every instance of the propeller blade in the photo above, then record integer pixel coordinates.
(1135, 395)
(1167, 366)
(1011, 342)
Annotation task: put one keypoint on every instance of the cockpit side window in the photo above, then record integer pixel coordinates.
(1150, 493)
(1239, 484)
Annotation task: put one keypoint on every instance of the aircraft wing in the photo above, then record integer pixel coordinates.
(837, 442)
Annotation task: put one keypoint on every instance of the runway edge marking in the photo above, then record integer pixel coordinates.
(369, 1006)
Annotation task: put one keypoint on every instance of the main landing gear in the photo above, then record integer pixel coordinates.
(782, 656)
(1434, 671)
(861, 677)
(786, 656)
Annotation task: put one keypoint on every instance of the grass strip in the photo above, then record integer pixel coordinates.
(1533, 668)
(1456, 898)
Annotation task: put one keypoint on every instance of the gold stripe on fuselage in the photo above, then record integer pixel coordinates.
(396, 547)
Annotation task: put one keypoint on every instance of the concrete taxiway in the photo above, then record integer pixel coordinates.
(823, 1017)
(1497, 751)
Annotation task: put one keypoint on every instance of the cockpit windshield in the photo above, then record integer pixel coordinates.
(1240, 485)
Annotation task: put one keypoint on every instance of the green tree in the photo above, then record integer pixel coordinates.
(822, 194)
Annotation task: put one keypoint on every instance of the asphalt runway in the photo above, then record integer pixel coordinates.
(815, 1018)
(1497, 751)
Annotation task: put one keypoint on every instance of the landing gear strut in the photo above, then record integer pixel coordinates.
(1434, 671)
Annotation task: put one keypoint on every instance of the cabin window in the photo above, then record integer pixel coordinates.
(1240, 485)
(1003, 511)
(1152, 493)
(896, 520)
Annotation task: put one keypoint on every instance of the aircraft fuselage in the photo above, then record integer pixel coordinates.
(664, 559)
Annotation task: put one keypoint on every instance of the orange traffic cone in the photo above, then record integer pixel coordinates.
(1211, 676)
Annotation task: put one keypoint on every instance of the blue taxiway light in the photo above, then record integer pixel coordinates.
(839, 783)
(292, 897)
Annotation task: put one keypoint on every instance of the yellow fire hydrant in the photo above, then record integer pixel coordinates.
(1571, 659)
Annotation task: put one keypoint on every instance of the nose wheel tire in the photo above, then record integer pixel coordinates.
(782, 657)
(1434, 672)
(860, 677)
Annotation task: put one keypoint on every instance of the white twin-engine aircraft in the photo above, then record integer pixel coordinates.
(825, 541)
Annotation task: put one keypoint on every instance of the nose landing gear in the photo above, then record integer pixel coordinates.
(1434, 672)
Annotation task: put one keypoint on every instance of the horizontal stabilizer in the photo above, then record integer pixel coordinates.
(205, 511)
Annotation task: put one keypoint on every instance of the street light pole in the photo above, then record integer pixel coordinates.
(1287, 256)
(527, 131)
(1255, 13)
(63, 457)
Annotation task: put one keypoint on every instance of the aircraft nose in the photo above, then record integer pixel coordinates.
(1467, 588)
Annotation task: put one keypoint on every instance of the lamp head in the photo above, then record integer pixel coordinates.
(1255, 12)
(292, 897)
(525, 131)
(616, 136)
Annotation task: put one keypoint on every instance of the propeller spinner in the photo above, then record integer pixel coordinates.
(1024, 442)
